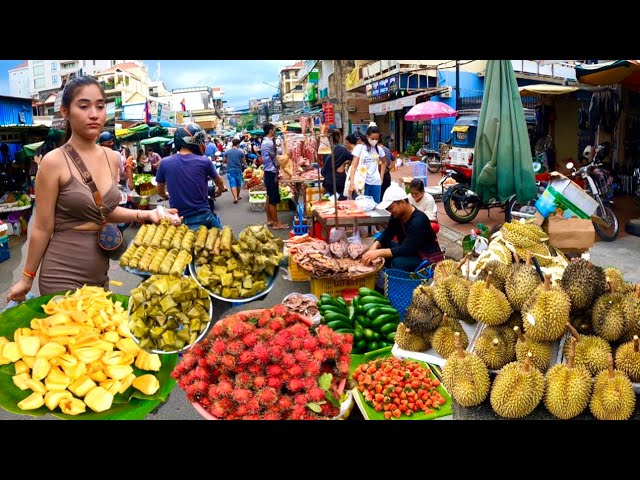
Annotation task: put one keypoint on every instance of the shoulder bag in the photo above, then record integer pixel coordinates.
(110, 237)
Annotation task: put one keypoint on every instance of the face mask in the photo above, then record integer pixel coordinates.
(373, 143)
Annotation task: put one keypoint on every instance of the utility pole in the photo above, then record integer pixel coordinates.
(457, 106)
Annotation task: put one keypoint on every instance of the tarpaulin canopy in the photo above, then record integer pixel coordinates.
(502, 164)
(31, 150)
(624, 72)
(152, 140)
(545, 89)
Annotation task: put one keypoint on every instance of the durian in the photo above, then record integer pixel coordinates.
(523, 235)
(591, 351)
(443, 338)
(466, 376)
(487, 304)
(584, 282)
(613, 275)
(408, 340)
(450, 266)
(582, 322)
(423, 315)
(545, 317)
(608, 316)
(451, 294)
(496, 347)
(632, 314)
(541, 351)
(500, 273)
(628, 359)
(521, 283)
(517, 389)
(613, 396)
(568, 387)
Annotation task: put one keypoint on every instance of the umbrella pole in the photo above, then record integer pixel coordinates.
(333, 170)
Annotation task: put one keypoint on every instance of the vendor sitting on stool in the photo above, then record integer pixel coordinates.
(408, 240)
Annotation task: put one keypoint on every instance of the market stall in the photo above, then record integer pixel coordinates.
(346, 213)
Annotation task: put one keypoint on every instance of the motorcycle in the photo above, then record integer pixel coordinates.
(433, 158)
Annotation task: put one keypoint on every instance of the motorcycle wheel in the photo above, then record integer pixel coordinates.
(516, 210)
(611, 233)
(458, 207)
(433, 164)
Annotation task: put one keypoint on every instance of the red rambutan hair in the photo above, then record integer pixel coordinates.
(271, 416)
(312, 368)
(253, 406)
(264, 318)
(225, 388)
(301, 399)
(243, 380)
(320, 355)
(288, 360)
(219, 346)
(250, 339)
(275, 382)
(295, 384)
(301, 356)
(274, 370)
(255, 368)
(295, 371)
(242, 395)
(228, 362)
(279, 309)
(235, 348)
(276, 352)
(276, 324)
(267, 396)
(245, 357)
(298, 412)
(310, 343)
(316, 394)
(259, 381)
(261, 353)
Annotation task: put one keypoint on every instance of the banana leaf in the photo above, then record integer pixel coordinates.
(131, 405)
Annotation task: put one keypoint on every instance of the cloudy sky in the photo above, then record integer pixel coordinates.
(239, 79)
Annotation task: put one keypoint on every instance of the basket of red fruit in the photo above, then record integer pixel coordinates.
(268, 364)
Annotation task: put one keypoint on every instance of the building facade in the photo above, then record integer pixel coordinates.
(19, 81)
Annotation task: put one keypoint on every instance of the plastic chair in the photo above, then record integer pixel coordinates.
(420, 171)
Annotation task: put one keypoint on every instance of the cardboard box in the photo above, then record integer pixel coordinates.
(571, 234)
(565, 194)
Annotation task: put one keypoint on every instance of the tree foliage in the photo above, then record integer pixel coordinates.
(246, 122)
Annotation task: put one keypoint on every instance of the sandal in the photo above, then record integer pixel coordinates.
(235, 201)
(281, 226)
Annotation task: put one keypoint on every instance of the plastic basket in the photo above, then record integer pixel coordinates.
(4, 249)
(399, 285)
(335, 287)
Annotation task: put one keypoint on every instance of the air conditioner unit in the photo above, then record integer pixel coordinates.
(351, 108)
(447, 93)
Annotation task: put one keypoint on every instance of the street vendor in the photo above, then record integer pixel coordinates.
(408, 240)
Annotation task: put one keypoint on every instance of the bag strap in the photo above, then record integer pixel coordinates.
(86, 176)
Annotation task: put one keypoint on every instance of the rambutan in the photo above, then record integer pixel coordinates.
(286, 377)
(264, 318)
(198, 350)
(217, 329)
(295, 344)
(250, 339)
(343, 367)
(301, 399)
(238, 330)
(192, 392)
(212, 359)
(201, 387)
(235, 348)
(299, 330)
(330, 353)
(253, 406)
(319, 355)
(261, 353)
(253, 416)
(271, 416)
(243, 380)
(254, 368)
(290, 318)
(274, 370)
(241, 395)
(241, 411)
(295, 384)
(225, 388)
(212, 393)
(345, 348)
(245, 357)
(298, 412)
(284, 403)
(275, 382)
(279, 309)
(202, 373)
(227, 403)
(217, 411)
(337, 338)
(204, 401)
(267, 396)
(259, 381)
(276, 324)
(312, 369)
(183, 382)
(288, 360)
(188, 361)
(310, 343)
(228, 362)
(265, 334)
(316, 394)
(202, 362)
(281, 339)
(219, 346)
(323, 334)
(295, 370)
(308, 382)
(301, 356)
(276, 352)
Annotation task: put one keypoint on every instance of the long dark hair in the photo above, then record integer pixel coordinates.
(370, 130)
(71, 89)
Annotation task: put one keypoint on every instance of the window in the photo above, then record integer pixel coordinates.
(54, 79)
(38, 83)
(54, 67)
(38, 71)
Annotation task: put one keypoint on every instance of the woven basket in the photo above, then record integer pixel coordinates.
(399, 287)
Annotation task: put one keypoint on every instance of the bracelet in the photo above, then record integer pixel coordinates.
(138, 215)
(29, 274)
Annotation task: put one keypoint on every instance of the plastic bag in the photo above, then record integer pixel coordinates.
(355, 238)
(480, 245)
(365, 202)
(337, 234)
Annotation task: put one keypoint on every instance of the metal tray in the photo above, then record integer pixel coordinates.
(271, 281)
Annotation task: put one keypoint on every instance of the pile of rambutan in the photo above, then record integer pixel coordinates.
(270, 365)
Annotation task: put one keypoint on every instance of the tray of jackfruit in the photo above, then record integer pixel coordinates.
(71, 355)
(159, 249)
(169, 315)
(239, 269)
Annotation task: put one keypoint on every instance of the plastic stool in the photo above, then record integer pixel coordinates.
(420, 171)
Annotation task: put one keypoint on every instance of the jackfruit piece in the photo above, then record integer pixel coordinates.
(72, 406)
(57, 380)
(126, 382)
(33, 401)
(113, 358)
(21, 332)
(97, 376)
(58, 319)
(20, 380)
(81, 386)
(111, 385)
(50, 350)
(98, 399)
(29, 361)
(28, 346)
(41, 368)
(118, 372)
(75, 371)
(148, 361)
(36, 386)
(11, 352)
(110, 336)
(87, 354)
(21, 367)
(63, 330)
(53, 398)
(147, 384)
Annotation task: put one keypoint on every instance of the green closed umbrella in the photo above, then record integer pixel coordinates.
(502, 164)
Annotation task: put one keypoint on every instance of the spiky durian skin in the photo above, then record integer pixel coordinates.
(423, 315)
(409, 340)
(515, 320)
(628, 361)
(467, 379)
(583, 284)
(450, 266)
(568, 390)
(451, 295)
(523, 235)
(520, 285)
(613, 275)
(613, 398)
(608, 316)
(591, 352)
(443, 340)
(515, 393)
(582, 322)
(495, 357)
(541, 352)
(545, 319)
(632, 316)
(488, 305)
(499, 273)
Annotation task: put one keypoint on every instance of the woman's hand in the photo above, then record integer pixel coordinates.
(370, 256)
(19, 291)
(155, 217)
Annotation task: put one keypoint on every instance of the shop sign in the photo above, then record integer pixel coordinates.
(382, 87)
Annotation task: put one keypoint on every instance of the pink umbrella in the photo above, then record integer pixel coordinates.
(428, 111)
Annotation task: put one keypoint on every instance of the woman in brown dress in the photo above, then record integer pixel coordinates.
(63, 240)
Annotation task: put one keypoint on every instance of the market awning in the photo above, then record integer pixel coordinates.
(152, 140)
(400, 103)
(545, 89)
(32, 149)
(624, 72)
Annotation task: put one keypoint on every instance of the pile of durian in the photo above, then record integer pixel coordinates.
(528, 317)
